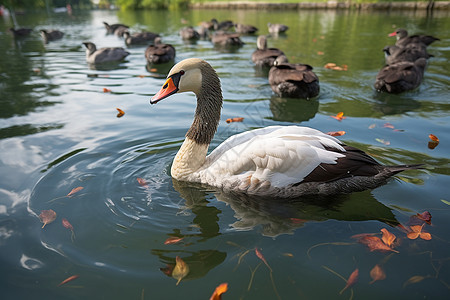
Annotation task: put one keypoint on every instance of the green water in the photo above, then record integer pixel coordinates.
(59, 131)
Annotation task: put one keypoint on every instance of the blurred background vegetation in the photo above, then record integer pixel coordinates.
(150, 4)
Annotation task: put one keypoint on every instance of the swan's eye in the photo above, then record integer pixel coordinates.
(165, 86)
(182, 72)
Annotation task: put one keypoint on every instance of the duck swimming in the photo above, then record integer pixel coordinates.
(102, 55)
(275, 161)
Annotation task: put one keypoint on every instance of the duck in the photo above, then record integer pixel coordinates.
(51, 35)
(222, 38)
(411, 52)
(245, 29)
(293, 80)
(189, 33)
(403, 38)
(20, 32)
(276, 28)
(139, 38)
(401, 76)
(102, 55)
(111, 29)
(159, 53)
(263, 56)
(274, 161)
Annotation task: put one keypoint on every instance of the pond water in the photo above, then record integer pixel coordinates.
(59, 131)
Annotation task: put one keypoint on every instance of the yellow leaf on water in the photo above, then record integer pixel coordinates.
(414, 279)
(180, 270)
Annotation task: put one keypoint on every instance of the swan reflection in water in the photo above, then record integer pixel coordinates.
(281, 216)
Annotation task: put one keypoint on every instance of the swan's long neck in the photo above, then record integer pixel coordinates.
(192, 153)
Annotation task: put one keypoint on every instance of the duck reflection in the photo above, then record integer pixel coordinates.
(392, 104)
(293, 110)
(276, 217)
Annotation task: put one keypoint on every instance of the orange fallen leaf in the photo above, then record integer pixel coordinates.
(121, 113)
(336, 133)
(74, 190)
(234, 120)
(433, 137)
(142, 182)
(180, 270)
(352, 279)
(388, 125)
(377, 273)
(372, 126)
(314, 40)
(73, 277)
(425, 216)
(47, 216)
(388, 238)
(375, 243)
(261, 257)
(339, 116)
(320, 53)
(69, 226)
(217, 295)
(105, 90)
(141, 76)
(329, 65)
(432, 144)
(173, 240)
(417, 232)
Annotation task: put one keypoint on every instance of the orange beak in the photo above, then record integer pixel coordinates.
(169, 88)
(393, 34)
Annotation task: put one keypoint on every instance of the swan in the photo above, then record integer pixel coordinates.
(94, 55)
(404, 39)
(400, 76)
(263, 56)
(276, 161)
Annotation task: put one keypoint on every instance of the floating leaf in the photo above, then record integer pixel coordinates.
(425, 216)
(120, 113)
(339, 116)
(352, 279)
(287, 254)
(142, 182)
(336, 133)
(230, 120)
(73, 277)
(173, 240)
(375, 243)
(383, 141)
(445, 201)
(47, 216)
(75, 190)
(67, 225)
(388, 238)
(377, 273)
(372, 126)
(417, 232)
(433, 137)
(105, 90)
(320, 53)
(388, 125)
(217, 295)
(180, 270)
(261, 257)
(167, 270)
(333, 66)
(414, 279)
(432, 144)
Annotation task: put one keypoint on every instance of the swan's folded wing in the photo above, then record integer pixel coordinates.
(279, 156)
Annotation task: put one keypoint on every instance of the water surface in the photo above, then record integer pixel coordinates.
(59, 131)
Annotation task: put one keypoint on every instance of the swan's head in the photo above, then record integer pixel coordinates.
(185, 76)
